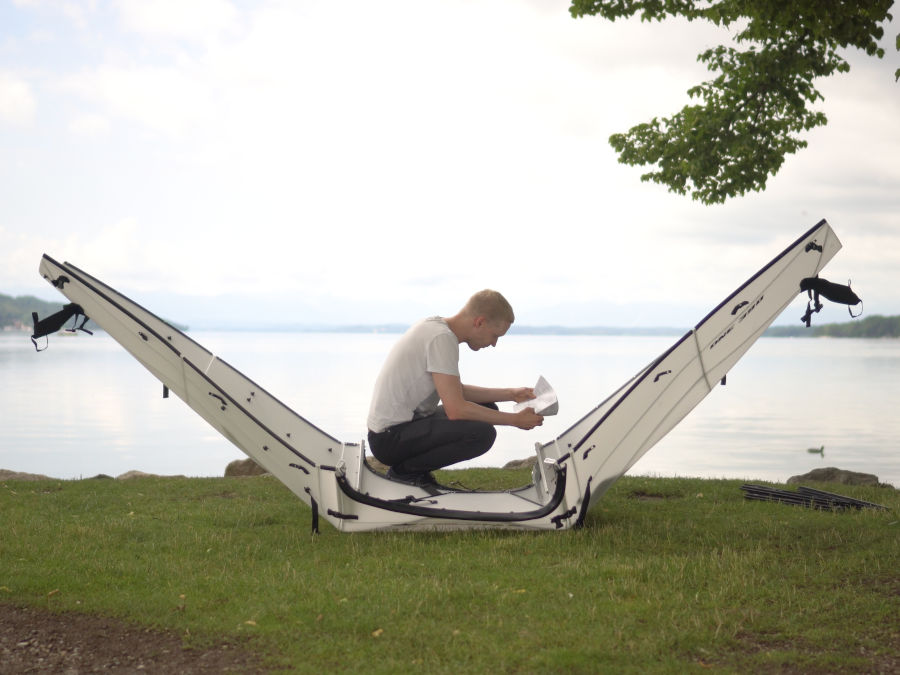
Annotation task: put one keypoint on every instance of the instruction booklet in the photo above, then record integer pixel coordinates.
(544, 401)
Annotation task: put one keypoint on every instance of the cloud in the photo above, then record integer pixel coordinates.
(89, 125)
(17, 101)
(167, 100)
(201, 21)
(78, 12)
(398, 155)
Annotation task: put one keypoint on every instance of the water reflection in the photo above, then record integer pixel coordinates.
(85, 406)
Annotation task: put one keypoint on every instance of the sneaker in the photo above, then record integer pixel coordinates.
(422, 480)
(425, 480)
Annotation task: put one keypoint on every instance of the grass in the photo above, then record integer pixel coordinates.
(668, 575)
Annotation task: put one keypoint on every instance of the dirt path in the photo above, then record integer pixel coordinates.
(34, 640)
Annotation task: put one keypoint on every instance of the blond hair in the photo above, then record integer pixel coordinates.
(491, 305)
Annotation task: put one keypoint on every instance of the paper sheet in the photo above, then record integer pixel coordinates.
(544, 401)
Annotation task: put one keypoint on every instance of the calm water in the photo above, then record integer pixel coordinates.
(85, 407)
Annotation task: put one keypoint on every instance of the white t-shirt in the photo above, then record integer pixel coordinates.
(404, 388)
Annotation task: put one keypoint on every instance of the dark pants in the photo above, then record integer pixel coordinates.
(432, 442)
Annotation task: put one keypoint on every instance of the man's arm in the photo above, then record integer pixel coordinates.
(490, 395)
(458, 407)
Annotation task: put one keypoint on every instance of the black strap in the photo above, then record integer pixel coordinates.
(315, 508)
(585, 505)
(817, 287)
(55, 322)
(315, 516)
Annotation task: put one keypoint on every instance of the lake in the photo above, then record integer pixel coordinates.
(85, 406)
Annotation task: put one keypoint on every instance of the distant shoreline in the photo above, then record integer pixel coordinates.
(15, 315)
(840, 330)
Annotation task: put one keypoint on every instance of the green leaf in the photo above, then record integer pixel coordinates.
(752, 112)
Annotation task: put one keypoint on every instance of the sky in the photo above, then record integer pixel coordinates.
(313, 162)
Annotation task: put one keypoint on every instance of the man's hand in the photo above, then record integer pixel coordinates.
(527, 419)
(458, 406)
(521, 394)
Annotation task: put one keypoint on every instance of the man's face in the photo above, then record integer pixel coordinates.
(486, 333)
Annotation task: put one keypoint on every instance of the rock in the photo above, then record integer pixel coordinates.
(128, 475)
(832, 474)
(244, 467)
(375, 465)
(526, 463)
(6, 474)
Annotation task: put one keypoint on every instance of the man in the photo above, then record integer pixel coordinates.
(408, 430)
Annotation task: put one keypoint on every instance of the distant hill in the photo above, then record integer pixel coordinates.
(16, 312)
(875, 326)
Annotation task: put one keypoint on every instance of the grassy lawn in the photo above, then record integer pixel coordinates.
(668, 575)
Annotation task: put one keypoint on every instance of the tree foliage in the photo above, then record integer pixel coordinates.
(874, 326)
(753, 111)
(16, 311)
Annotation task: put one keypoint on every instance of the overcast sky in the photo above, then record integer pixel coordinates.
(361, 162)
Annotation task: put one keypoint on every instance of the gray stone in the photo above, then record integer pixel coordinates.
(244, 467)
(128, 475)
(832, 474)
(375, 465)
(6, 474)
(526, 463)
